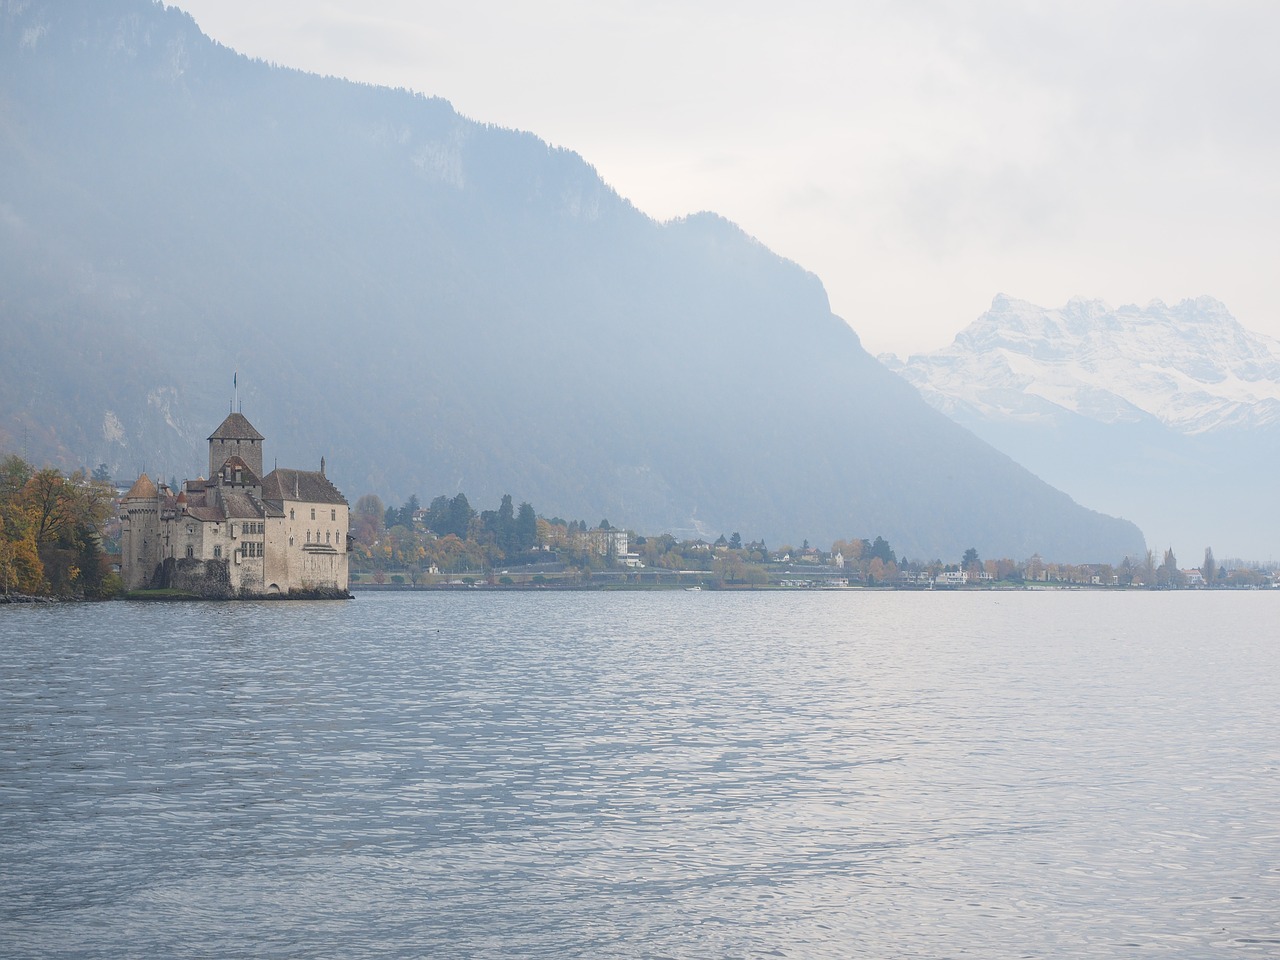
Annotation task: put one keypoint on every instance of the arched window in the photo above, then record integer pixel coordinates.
(308, 536)
(217, 552)
(291, 513)
(190, 553)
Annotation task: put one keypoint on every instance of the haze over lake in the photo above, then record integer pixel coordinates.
(676, 774)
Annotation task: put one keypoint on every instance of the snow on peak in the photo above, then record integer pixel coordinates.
(1191, 366)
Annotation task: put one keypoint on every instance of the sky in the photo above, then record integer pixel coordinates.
(919, 156)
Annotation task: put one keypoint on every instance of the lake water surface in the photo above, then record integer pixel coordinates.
(844, 774)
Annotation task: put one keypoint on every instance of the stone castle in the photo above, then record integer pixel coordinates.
(238, 533)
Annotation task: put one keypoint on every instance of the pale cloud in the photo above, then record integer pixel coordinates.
(918, 156)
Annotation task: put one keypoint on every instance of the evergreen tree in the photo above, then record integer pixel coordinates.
(410, 507)
(438, 515)
(460, 516)
(506, 525)
(526, 528)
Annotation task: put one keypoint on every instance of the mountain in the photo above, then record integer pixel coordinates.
(436, 305)
(1169, 415)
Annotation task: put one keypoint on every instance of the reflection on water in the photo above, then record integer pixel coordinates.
(676, 774)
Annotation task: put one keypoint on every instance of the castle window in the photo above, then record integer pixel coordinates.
(333, 514)
(291, 513)
(217, 551)
(190, 552)
(291, 540)
(308, 536)
(326, 536)
(313, 513)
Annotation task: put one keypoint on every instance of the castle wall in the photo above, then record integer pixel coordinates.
(307, 547)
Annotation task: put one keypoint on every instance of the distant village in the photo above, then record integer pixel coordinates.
(449, 545)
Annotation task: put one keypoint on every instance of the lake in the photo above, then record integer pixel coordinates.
(836, 774)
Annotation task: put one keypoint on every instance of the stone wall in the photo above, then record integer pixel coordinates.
(210, 579)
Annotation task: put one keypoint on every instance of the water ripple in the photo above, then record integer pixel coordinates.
(669, 775)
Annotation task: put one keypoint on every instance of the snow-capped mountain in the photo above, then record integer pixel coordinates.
(1169, 416)
(1192, 366)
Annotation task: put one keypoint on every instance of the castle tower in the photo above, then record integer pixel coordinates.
(140, 549)
(235, 437)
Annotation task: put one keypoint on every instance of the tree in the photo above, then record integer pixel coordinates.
(876, 571)
(50, 505)
(460, 516)
(368, 518)
(411, 506)
(506, 525)
(881, 550)
(1149, 570)
(14, 474)
(735, 541)
(526, 528)
(20, 568)
(1210, 569)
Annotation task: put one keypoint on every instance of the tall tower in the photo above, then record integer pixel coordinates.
(235, 437)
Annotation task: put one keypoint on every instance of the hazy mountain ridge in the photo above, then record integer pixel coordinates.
(1168, 415)
(436, 305)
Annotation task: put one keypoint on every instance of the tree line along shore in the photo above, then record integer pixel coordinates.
(59, 539)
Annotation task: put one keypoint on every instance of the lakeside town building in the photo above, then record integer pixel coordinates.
(238, 533)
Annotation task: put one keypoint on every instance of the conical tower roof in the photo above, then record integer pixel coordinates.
(236, 427)
(142, 489)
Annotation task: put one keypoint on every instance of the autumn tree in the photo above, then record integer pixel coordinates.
(20, 568)
(367, 518)
(51, 531)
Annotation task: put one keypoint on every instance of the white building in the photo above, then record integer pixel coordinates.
(238, 533)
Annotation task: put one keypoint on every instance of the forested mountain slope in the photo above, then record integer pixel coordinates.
(436, 305)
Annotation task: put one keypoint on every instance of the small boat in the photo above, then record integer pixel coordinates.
(693, 589)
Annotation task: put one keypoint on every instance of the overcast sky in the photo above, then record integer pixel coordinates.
(920, 157)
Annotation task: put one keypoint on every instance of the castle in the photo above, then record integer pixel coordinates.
(238, 533)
